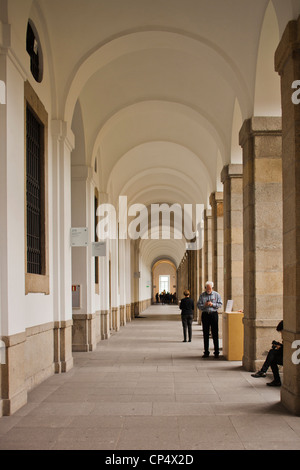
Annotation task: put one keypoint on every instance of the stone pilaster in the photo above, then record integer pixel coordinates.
(260, 138)
(85, 331)
(216, 202)
(63, 359)
(232, 178)
(62, 145)
(287, 64)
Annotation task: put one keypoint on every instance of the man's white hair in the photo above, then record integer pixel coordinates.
(209, 283)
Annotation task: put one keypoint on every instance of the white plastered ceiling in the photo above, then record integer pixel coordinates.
(161, 89)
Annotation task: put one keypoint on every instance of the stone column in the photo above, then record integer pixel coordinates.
(287, 63)
(216, 202)
(232, 178)
(128, 280)
(104, 284)
(122, 281)
(208, 274)
(260, 138)
(183, 276)
(115, 307)
(200, 282)
(192, 276)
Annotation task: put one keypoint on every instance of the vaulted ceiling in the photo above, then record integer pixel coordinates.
(157, 90)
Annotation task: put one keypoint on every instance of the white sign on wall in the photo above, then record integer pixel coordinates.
(99, 249)
(79, 236)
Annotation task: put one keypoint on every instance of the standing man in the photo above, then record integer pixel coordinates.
(209, 302)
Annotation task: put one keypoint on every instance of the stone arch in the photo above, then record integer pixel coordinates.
(79, 152)
(236, 154)
(160, 267)
(267, 97)
(139, 40)
(202, 130)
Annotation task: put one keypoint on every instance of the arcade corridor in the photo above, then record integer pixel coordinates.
(145, 389)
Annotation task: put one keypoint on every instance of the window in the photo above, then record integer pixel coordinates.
(34, 50)
(164, 283)
(34, 178)
(36, 232)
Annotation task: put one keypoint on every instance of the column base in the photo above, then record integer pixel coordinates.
(122, 315)
(290, 401)
(84, 332)
(104, 324)
(14, 403)
(128, 313)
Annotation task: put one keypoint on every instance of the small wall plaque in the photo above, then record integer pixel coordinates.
(79, 236)
(99, 249)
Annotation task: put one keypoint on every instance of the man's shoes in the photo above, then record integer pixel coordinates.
(217, 355)
(205, 355)
(274, 383)
(258, 374)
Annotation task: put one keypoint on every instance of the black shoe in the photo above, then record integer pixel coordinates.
(258, 374)
(217, 356)
(184, 341)
(205, 355)
(274, 383)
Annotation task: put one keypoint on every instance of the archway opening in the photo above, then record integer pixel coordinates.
(164, 282)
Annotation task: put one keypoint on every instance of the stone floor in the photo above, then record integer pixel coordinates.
(146, 389)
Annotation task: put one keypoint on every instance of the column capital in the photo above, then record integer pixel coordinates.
(207, 213)
(257, 125)
(82, 172)
(233, 170)
(62, 132)
(216, 198)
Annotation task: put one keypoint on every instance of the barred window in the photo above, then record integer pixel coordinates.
(34, 168)
(36, 216)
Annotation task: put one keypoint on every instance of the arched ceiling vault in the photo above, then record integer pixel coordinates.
(158, 89)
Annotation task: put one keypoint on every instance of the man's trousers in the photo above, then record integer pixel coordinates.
(210, 321)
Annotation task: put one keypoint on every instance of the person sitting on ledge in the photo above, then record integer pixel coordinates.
(274, 358)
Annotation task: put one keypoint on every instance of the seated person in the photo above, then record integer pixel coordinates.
(274, 358)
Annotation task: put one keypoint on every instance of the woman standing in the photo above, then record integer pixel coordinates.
(187, 315)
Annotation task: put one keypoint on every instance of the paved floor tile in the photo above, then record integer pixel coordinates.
(144, 389)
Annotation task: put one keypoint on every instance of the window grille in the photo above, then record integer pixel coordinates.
(34, 130)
